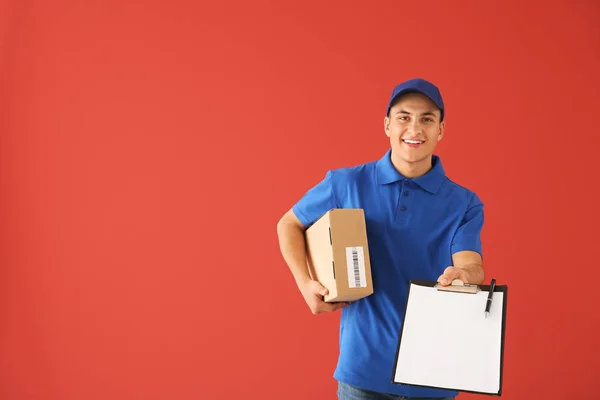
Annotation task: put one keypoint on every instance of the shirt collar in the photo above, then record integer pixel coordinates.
(431, 181)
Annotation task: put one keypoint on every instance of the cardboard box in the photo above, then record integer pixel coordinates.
(338, 254)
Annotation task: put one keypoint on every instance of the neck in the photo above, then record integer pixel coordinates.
(413, 169)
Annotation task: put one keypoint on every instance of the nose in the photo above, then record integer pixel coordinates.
(415, 127)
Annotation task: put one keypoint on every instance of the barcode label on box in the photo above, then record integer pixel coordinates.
(355, 259)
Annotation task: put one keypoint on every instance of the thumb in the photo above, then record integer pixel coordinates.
(322, 290)
(448, 276)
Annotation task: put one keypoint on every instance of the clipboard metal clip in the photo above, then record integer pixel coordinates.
(458, 286)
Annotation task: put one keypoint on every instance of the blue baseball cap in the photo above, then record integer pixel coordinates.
(421, 86)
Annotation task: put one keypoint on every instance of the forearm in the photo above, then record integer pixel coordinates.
(293, 249)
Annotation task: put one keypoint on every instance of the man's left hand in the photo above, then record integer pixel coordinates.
(452, 273)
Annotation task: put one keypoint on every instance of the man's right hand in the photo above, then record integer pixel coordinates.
(313, 293)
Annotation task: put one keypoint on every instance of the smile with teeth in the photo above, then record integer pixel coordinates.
(412, 141)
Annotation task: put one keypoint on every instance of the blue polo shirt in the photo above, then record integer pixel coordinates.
(413, 227)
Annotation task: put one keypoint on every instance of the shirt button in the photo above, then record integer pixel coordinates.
(406, 193)
(403, 208)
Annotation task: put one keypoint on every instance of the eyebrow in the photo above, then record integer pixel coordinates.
(431, 113)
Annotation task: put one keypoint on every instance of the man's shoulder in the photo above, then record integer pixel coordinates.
(353, 172)
(462, 191)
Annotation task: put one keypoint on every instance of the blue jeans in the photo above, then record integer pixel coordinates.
(348, 392)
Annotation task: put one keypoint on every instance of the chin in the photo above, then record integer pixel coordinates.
(413, 158)
(407, 155)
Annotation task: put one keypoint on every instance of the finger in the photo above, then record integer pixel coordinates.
(327, 307)
(322, 290)
(445, 279)
(331, 307)
(341, 305)
(448, 276)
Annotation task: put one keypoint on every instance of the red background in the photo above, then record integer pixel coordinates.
(149, 148)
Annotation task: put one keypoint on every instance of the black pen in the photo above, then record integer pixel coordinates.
(488, 304)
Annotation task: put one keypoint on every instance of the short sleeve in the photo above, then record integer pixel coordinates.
(316, 201)
(468, 234)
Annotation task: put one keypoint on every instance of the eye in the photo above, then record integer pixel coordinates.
(403, 118)
(428, 119)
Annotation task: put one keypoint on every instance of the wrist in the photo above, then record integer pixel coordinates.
(302, 280)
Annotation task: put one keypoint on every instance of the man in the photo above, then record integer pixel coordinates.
(420, 225)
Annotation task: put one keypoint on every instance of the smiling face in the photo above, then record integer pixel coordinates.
(414, 127)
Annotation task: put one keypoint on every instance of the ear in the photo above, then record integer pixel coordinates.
(386, 126)
(442, 127)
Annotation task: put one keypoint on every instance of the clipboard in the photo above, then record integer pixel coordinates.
(446, 341)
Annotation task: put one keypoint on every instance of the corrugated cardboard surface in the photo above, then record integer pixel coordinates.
(327, 241)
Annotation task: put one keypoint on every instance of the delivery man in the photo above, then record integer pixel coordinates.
(420, 225)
